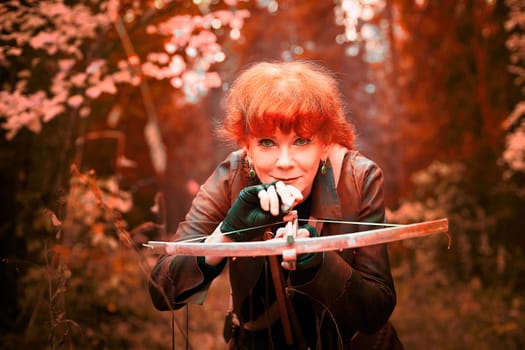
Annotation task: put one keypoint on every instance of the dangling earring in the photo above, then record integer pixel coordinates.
(324, 169)
(251, 170)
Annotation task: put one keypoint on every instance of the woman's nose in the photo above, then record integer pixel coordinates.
(285, 159)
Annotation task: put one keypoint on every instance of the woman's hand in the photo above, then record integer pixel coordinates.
(307, 260)
(279, 198)
(302, 232)
(257, 207)
(215, 237)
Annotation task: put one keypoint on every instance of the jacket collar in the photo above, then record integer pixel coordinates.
(325, 200)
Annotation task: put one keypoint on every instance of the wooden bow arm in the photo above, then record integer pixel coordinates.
(303, 245)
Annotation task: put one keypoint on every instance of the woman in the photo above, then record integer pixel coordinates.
(295, 158)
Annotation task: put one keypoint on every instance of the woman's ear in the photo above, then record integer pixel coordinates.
(324, 152)
(246, 149)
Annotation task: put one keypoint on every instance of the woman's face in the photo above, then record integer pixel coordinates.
(287, 157)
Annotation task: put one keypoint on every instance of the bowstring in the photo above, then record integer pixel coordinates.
(364, 223)
(198, 238)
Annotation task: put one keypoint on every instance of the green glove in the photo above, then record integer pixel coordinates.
(246, 213)
(309, 260)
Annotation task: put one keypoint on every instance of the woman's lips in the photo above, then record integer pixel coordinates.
(287, 180)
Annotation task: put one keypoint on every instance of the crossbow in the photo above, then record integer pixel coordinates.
(292, 246)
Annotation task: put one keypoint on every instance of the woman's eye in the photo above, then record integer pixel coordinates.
(302, 141)
(266, 143)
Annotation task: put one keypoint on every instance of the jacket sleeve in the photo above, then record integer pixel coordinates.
(356, 284)
(178, 280)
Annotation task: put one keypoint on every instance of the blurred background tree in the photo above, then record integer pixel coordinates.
(108, 110)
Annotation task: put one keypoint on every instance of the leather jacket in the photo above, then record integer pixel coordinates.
(354, 284)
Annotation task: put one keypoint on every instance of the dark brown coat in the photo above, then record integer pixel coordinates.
(355, 286)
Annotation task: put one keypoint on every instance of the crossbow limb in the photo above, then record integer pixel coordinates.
(287, 247)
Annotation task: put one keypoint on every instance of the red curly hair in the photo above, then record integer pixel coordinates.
(300, 96)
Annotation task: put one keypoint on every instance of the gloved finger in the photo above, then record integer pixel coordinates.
(273, 200)
(303, 233)
(250, 194)
(290, 216)
(281, 231)
(290, 196)
(287, 199)
(288, 265)
(312, 232)
(264, 200)
(296, 194)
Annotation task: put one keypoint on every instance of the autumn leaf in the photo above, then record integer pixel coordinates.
(51, 110)
(213, 80)
(108, 85)
(177, 65)
(93, 92)
(75, 101)
(79, 79)
(43, 39)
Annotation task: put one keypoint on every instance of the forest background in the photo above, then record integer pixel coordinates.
(108, 110)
